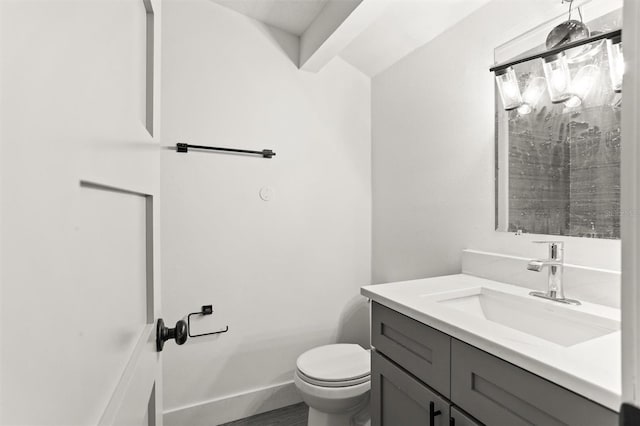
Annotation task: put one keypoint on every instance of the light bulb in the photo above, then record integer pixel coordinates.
(573, 101)
(508, 87)
(616, 62)
(582, 84)
(534, 91)
(559, 80)
(558, 76)
(532, 94)
(524, 109)
(510, 90)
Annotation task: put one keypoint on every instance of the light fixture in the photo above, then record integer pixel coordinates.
(556, 67)
(584, 52)
(532, 95)
(508, 87)
(570, 42)
(568, 32)
(616, 62)
(582, 84)
(556, 70)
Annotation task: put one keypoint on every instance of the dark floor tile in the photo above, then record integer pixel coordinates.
(293, 415)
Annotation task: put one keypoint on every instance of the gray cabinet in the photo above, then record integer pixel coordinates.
(419, 349)
(414, 365)
(499, 393)
(458, 418)
(399, 399)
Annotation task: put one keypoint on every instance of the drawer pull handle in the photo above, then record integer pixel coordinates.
(433, 413)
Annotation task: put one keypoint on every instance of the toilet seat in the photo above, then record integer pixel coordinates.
(338, 365)
(333, 383)
(330, 393)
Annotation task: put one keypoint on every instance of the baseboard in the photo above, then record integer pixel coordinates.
(234, 407)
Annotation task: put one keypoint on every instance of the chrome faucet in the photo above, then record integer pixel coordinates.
(555, 263)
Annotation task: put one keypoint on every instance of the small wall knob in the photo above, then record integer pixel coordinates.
(163, 333)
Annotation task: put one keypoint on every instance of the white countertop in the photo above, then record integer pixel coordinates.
(591, 369)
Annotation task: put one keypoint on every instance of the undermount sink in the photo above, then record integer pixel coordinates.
(555, 323)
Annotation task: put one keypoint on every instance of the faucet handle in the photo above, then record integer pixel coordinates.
(556, 249)
(560, 243)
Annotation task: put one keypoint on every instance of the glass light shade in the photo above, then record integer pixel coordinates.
(616, 63)
(567, 32)
(508, 88)
(582, 84)
(556, 70)
(584, 52)
(532, 94)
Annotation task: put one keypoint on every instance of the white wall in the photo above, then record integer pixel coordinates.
(283, 274)
(433, 152)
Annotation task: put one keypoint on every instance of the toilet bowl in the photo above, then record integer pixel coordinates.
(334, 381)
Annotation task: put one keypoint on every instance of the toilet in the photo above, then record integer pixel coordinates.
(334, 381)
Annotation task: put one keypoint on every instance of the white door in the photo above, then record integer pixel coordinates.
(79, 181)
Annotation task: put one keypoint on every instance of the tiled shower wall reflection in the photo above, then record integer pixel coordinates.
(564, 164)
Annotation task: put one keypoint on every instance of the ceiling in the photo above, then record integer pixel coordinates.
(404, 25)
(292, 16)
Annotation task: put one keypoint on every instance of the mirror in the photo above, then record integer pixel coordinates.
(558, 163)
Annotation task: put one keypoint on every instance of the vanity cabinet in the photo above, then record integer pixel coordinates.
(398, 398)
(417, 371)
(419, 349)
(458, 418)
(499, 393)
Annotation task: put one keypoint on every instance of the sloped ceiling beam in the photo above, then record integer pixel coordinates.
(337, 25)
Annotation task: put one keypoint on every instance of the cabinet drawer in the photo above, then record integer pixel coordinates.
(458, 418)
(399, 399)
(416, 347)
(498, 393)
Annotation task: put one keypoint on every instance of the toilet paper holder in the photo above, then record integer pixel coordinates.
(206, 310)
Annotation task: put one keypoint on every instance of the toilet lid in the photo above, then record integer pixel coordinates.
(335, 363)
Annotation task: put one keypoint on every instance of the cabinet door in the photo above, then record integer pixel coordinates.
(460, 419)
(418, 348)
(398, 398)
(500, 394)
